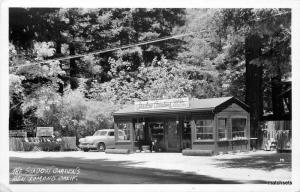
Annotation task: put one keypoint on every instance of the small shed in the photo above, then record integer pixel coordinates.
(217, 124)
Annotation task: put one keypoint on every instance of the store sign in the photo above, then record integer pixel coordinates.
(162, 104)
(44, 131)
(17, 133)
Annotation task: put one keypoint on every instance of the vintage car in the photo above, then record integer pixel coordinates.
(101, 140)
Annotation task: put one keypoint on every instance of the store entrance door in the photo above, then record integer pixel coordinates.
(172, 141)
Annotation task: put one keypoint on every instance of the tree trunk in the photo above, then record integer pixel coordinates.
(254, 91)
(73, 68)
(277, 101)
(58, 54)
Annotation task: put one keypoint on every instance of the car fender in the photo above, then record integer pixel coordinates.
(99, 141)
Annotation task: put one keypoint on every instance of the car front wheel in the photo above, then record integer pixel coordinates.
(101, 147)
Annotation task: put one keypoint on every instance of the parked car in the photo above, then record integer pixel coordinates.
(101, 140)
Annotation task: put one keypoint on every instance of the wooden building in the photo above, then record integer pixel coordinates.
(216, 124)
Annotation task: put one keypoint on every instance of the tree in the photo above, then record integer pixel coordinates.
(254, 91)
(162, 79)
(201, 57)
(30, 83)
(264, 44)
(86, 30)
(247, 50)
(43, 34)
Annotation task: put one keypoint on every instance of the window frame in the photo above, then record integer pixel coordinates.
(204, 133)
(225, 129)
(130, 131)
(98, 131)
(135, 128)
(245, 128)
(109, 133)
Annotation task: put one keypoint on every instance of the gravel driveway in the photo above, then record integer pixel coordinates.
(98, 167)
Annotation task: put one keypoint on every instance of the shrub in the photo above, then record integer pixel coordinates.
(28, 146)
(50, 145)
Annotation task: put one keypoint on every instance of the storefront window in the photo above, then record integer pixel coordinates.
(124, 131)
(222, 129)
(157, 131)
(204, 129)
(139, 132)
(238, 128)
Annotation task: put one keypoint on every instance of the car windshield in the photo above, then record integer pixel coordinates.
(100, 133)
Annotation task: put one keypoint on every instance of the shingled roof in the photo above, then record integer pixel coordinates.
(210, 104)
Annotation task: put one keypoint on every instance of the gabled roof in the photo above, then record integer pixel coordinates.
(210, 104)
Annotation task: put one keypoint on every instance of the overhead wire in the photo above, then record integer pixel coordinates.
(107, 50)
(128, 45)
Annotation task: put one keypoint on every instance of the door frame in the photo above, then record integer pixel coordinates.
(178, 138)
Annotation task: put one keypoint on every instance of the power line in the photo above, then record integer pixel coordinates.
(107, 50)
(132, 45)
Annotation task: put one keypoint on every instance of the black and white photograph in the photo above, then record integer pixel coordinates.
(149, 96)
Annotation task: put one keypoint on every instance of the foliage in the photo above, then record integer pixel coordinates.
(49, 145)
(81, 30)
(15, 87)
(274, 28)
(77, 96)
(43, 144)
(37, 34)
(219, 39)
(161, 79)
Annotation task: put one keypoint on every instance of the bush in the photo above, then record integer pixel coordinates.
(28, 146)
(35, 144)
(50, 145)
(43, 144)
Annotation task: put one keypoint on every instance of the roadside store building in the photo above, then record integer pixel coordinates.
(217, 124)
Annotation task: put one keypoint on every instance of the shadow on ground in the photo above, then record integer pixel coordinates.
(267, 162)
(102, 171)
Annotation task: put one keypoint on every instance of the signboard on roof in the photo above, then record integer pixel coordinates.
(162, 104)
(44, 131)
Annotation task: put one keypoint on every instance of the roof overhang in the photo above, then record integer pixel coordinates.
(215, 109)
(164, 112)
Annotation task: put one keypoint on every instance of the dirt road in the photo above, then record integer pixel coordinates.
(156, 168)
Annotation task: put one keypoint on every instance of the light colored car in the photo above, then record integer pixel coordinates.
(101, 140)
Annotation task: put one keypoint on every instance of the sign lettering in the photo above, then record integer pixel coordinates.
(44, 131)
(162, 104)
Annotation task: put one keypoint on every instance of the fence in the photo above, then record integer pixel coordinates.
(33, 143)
(16, 144)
